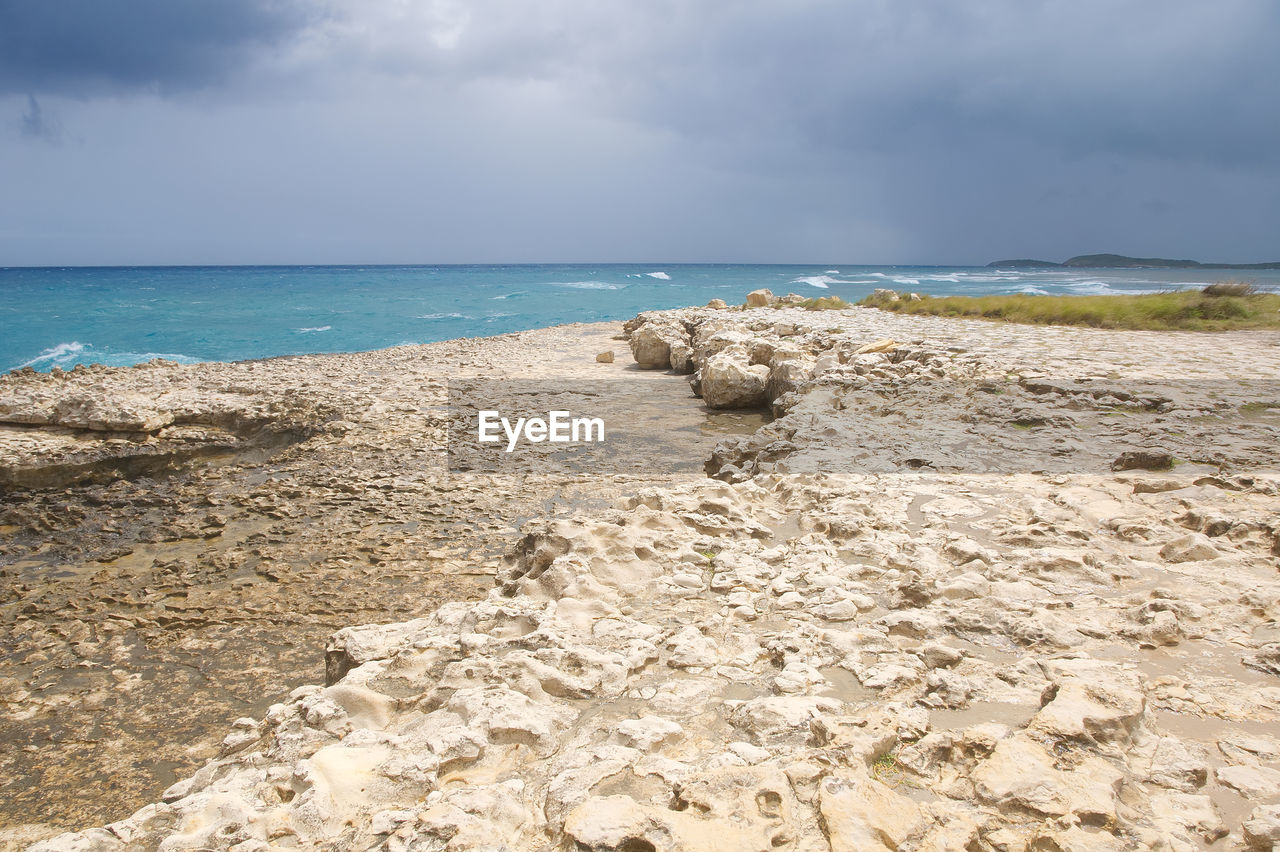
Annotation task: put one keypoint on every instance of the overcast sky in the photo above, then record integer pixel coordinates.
(435, 131)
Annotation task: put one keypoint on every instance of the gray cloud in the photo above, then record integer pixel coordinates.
(600, 129)
(84, 47)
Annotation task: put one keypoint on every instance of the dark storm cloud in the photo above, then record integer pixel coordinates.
(85, 47)
(757, 130)
(1135, 77)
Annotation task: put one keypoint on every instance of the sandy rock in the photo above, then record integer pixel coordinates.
(651, 345)
(883, 345)
(648, 731)
(728, 382)
(1195, 547)
(1262, 828)
(605, 357)
(681, 359)
(1190, 819)
(717, 304)
(863, 815)
(1252, 782)
(1021, 774)
(1178, 765)
(1096, 702)
(759, 298)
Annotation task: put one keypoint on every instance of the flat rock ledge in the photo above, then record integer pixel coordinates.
(806, 660)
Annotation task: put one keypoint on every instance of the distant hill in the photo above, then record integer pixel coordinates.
(1120, 261)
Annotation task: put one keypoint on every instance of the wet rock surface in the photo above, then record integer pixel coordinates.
(161, 582)
(930, 650)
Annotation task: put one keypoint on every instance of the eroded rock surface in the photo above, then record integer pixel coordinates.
(810, 657)
(161, 582)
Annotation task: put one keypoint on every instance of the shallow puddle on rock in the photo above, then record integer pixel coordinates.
(1209, 729)
(1192, 659)
(734, 422)
(740, 692)
(980, 712)
(787, 528)
(844, 684)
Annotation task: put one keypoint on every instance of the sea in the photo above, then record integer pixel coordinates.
(118, 316)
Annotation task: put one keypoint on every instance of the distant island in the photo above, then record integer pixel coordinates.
(1119, 261)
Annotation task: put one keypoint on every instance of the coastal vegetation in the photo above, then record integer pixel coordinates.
(1219, 307)
(823, 303)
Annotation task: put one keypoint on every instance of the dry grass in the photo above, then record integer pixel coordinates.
(822, 303)
(1229, 307)
(1230, 288)
(825, 303)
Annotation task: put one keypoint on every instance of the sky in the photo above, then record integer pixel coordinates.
(504, 131)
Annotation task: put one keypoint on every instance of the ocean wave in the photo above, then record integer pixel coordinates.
(588, 285)
(661, 276)
(444, 316)
(1031, 290)
(509, 295)
(497, 316)
(67, 355)
(915, 281)
(56, 356)
(833, 272)
(316, 328)
(822, 281)
(825, 281)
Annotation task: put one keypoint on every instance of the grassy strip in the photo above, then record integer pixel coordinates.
(1192, 310)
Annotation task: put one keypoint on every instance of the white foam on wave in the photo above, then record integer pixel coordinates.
(822, 281)
(66, 355)
(56, 356)
(954, 279)
(508, 295)
(588, 285)
(444, 316)
(1031, 290)
(661, 276)
(825, 281)
(833, 272)
(497, 316)
(313, 329)
(906, 281)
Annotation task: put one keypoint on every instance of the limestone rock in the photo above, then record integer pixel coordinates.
(1195, 547)
(1262, 828)
(883, 345)
(759, 298)
(864, 815)
(1021, 774)
(605, 357)
(651, 345)
(727, 382)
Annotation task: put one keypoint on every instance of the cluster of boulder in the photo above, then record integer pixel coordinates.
(737, 361)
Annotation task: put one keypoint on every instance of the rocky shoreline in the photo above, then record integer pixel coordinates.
(976, 586)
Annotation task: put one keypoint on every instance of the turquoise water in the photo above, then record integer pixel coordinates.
(59, 317)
